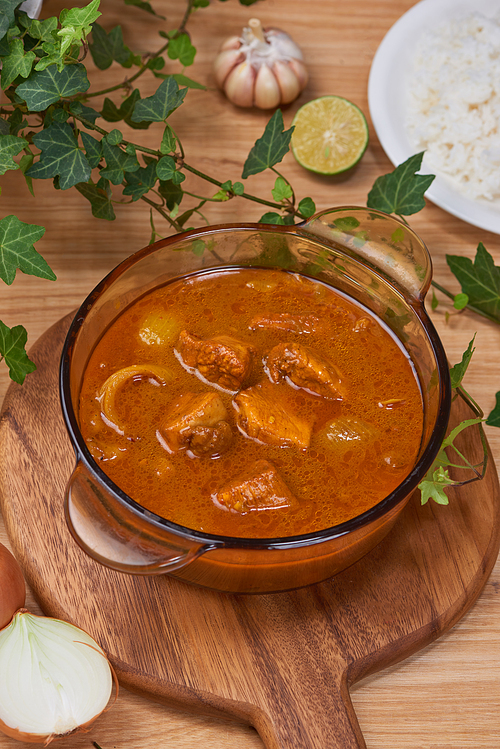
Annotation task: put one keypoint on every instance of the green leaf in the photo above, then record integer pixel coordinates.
(13, 349)
(45, 87)
(460, 301)
(493, 419)
(77, 24)
(457, 372)
(77, 108)
(111, 113)
(167, 98)
(10, 145)
(7, 15)
(433, 486)
(183, 80)
(165, 168)
(168, 141)
(24, 164)
(17, 251)
(402, 191)
(18, 62)
(108, 47)
(115, 137)
(93, 149)
(144, 6)
(117, 163)
(37, 29)
(479, 280)
(281, 190)
(180, 48)
(307, 207)
(141, 181)
(60, 156)
(171, 193)
(270, 148)
(271, 218)
(98, 198)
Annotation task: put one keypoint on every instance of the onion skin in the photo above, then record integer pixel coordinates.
(35, 738)
(12, 587)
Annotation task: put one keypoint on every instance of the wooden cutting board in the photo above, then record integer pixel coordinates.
(282, 662)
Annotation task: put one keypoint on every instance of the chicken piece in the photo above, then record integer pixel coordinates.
(305, 369)
(222, 359)
(260, 487)
(261, 416)
(198, 423)
(286, 321)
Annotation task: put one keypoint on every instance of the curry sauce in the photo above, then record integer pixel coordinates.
(251, 403)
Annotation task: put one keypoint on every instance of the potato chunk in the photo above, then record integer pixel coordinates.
(305, 369)
(222, 359)
(262, 416)
(260, 487)
(197, 422)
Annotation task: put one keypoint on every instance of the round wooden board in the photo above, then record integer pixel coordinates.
(282, 662)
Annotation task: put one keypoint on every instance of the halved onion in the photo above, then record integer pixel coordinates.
(55, 679)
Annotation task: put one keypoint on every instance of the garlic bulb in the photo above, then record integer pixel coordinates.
(55, 679)
(263, 68)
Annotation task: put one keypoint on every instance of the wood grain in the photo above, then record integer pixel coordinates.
(282, 662)
(448, 695)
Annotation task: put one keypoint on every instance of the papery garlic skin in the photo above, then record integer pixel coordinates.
(54, 678)
(262, 68)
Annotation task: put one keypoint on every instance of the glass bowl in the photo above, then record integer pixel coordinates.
(373, 258)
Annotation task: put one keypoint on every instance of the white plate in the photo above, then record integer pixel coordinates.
(387, 87)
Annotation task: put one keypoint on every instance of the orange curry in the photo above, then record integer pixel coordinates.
(253, 403)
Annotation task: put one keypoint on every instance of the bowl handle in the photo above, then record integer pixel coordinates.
(118, 537)
(378, 240)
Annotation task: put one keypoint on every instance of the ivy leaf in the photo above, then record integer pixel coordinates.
(183, 80)
(480, 280)
(17, 251)
(117, 163)
(180, 48)
(144, 6)
(458, 371)
(16, 63)
(433, 487)
(168, 141)
(140, 181)
(107, 47)
(493, 419)
(270, 148)
(45, 87)
(402, 191)
(10, 145)
(13, 349)
(76, 107)
(164, 101)
(99, 200)
(272, 218)
(60, 156)
(37, 29)
(77, 24)
(307, 207)
(165, 168)
(93, 149)
(7, 15)
(281, 190)
(111, 113)
(171, 193)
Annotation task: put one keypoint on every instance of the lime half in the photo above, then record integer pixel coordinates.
(330, 135)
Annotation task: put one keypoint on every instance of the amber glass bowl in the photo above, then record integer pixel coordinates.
(375, 259)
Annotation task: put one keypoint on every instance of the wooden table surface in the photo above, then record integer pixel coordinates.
(448, 695)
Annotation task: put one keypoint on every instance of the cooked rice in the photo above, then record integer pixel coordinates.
(454, 104)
